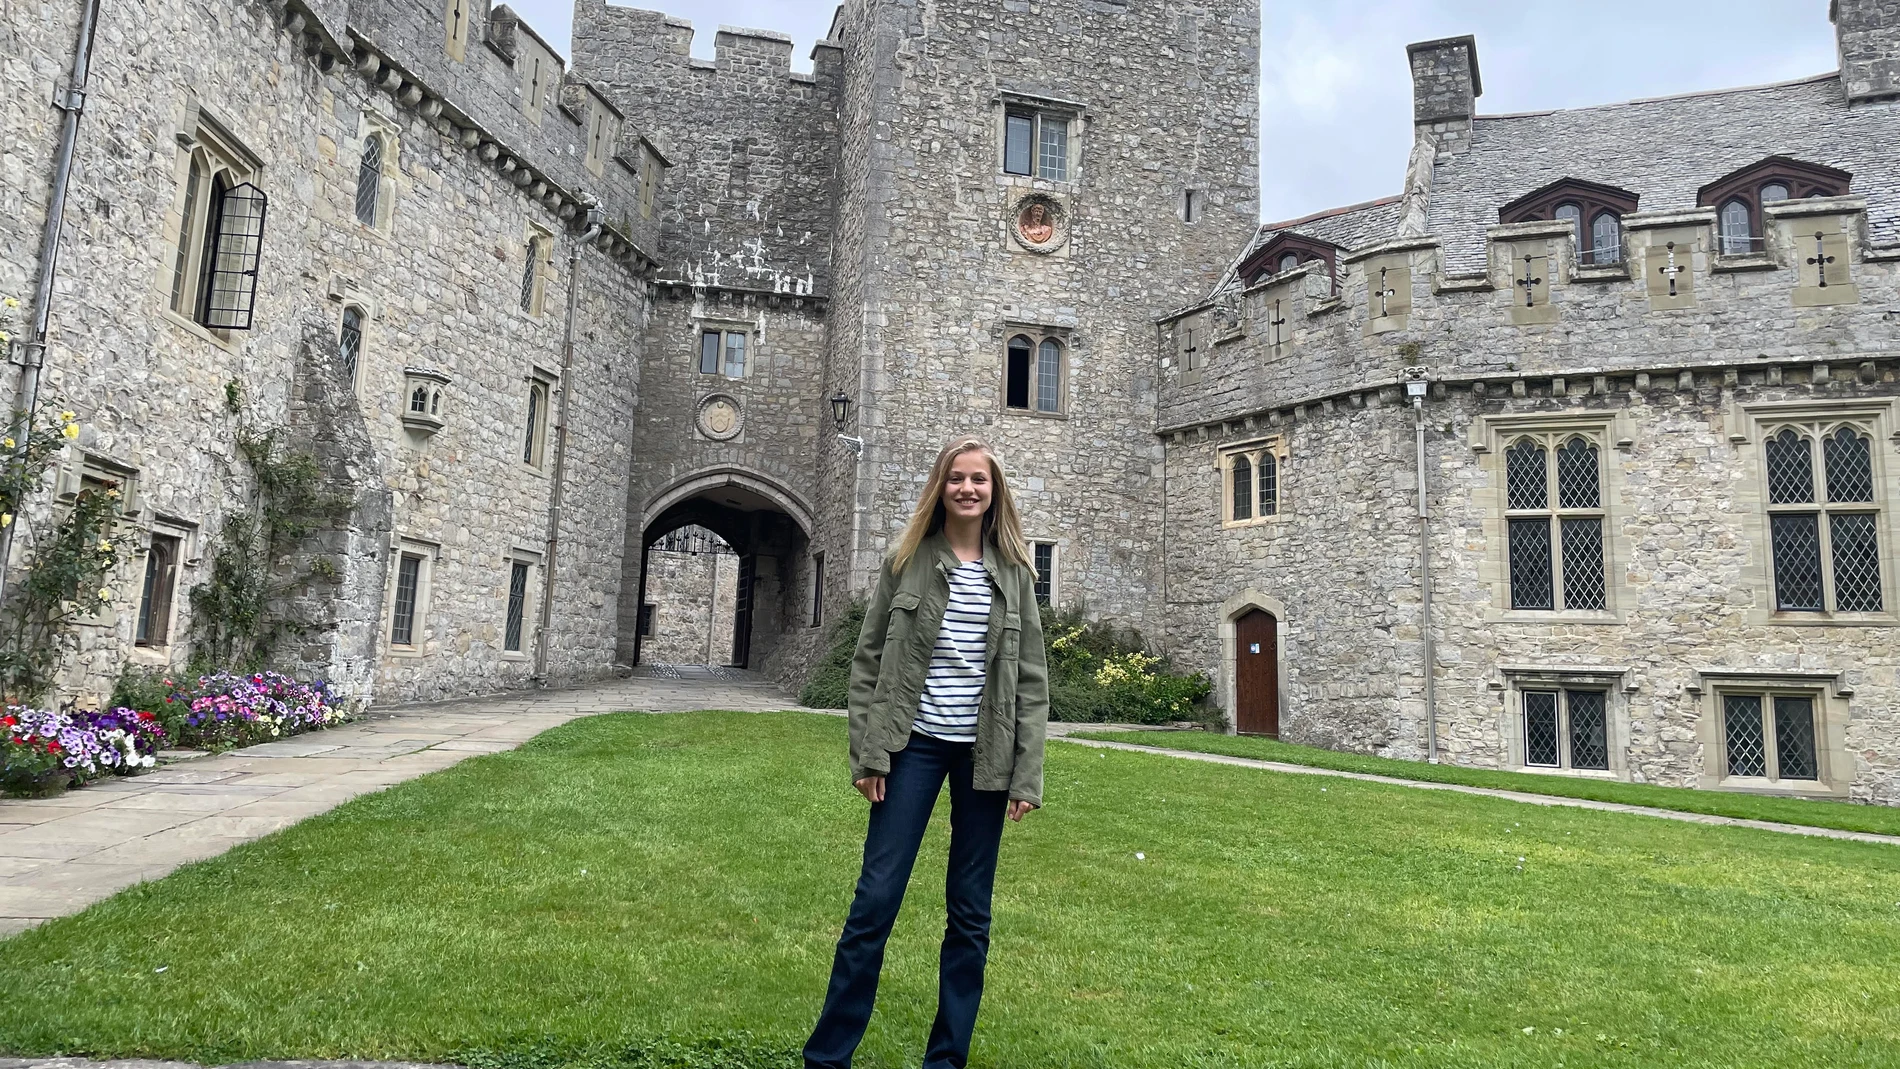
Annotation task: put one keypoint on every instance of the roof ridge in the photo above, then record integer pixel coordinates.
(1330, 212)
(1830, 76)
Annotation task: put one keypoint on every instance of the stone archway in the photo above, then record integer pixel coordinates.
(767, 526)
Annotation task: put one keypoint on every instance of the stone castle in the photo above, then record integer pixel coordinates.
(1582, 453)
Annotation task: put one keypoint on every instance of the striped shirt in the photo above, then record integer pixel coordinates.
(953, 688)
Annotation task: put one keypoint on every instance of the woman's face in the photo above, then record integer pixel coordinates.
(966, 492)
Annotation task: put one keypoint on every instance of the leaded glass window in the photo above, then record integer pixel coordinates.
(1049, 376)
(349, 343)
(1556, 553)
(1243, 489)
(402, 628)
(1773, 192)
(369, 180)
(1606, 239)
(1251, 478)
(1825, 548)
(1289, 261)
(1566, 728)
(517, 606)
(531, 275)
(1737, 229)
(1268, 479)
(1572, 214)
(1045, 571)
(1770, 736)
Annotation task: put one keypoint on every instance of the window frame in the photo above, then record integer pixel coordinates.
(1563, 693)
(1264, 263)
(1045, 574)
(210, 160)
(527, 564)
(534, 442)
(1829, 701)
(158, 592)
(1613, 682)
(425, 554)
(350, 358)
(818, 589)
(537, 268)
(1821, 506)
(1042, 116)
(1593, 201)
(1038, 338)
(1261, 455)
(1744, 186)
(1554, 512)
(722, 364)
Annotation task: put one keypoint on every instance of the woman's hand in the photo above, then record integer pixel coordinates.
(871, 787)
(1018, 809)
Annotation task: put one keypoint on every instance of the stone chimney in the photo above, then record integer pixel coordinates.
(1445, 82)
(1868, 35)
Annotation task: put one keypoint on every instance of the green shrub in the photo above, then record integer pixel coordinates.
(1098, 673)
(150, 690)
(829, 685)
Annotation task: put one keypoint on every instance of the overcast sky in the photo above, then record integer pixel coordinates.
(1335, 93)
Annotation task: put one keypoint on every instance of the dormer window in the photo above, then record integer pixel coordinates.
(1286, 251)
(1594, 211)
(1738, 198)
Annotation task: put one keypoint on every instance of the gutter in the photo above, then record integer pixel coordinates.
(558, 492)
(72, 100)
(1416, 386)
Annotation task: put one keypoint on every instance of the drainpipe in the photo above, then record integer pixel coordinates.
(558, 491)
(70, 99)
(1415, 387)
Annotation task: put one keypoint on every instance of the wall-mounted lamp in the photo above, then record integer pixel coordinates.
(840, 412)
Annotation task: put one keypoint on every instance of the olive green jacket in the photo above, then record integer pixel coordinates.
(894, 650)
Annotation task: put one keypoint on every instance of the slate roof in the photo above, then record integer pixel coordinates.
(1665, 149)
(1349, 228)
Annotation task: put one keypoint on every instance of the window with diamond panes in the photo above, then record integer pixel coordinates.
(1243, 489)
(1823, 519)
(1770, 736)
(1553, 491)
(369, 180)
(1566, 729)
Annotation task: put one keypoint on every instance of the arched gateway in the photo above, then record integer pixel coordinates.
(769, 528)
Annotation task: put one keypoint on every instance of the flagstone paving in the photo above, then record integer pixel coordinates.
(58, 855)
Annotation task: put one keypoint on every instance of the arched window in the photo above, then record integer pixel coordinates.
(1243, 489)
(1286, 251)
(1572, 214)
(531, 276)
(1606, 239)
(369, 180)
(1737, 229)
(1554, 523)
(349, 343)
(1742, 194)
(419, 400)
(1825, 547)
(1016, 375)
(1288, 262)
(1048, 376)
(1593, 210)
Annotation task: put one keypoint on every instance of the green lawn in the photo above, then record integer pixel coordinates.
(1846, 816)
(633, 876)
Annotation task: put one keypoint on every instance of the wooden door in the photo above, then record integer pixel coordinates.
(1257, 674)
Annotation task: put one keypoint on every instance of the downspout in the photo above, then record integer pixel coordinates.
(72, 101)
(558, 491)
(1416, 387)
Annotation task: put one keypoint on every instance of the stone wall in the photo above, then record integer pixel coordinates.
(439, 277)
(693, 597)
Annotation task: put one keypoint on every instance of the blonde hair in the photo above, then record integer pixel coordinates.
(1002, 527)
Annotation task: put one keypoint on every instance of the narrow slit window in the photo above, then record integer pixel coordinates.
(402, 628)
(1052, 157)
(1243, 489)
(517, 606)
(369, 180)
(1269, 480)
(349, 344)
(155, 601)
(709, 352)
(1049, 376)
(1045, 571)
(1018, 139)
(735, 354)
(533, 446)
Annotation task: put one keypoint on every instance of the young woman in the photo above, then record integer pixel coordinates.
(949, 682)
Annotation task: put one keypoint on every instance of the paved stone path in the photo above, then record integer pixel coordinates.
(61, 854)
(1492, 792)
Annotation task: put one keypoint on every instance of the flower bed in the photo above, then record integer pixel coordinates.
(44, 752)
(47, 751)
(225, 710)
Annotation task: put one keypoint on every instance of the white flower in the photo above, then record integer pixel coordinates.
(1139, 856)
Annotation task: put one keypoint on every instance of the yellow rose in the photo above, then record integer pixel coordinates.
(71, 431)
(67, 416)
(8, 442)
(11, 302)
(105, 546)
(104, 594)
(5, 337)
(6, 519)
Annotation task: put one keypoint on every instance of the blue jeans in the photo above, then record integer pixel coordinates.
(890, 850)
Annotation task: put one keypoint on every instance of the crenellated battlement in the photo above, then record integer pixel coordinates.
(653, 50)
(501, 92)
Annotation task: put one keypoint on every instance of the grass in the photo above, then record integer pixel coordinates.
(629, 877)
(1815, 813)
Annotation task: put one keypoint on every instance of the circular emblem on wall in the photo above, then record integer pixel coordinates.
(1039, 223)
(719, 417)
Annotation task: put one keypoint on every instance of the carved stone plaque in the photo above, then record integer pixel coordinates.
(720, 417)
(1038, 223)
